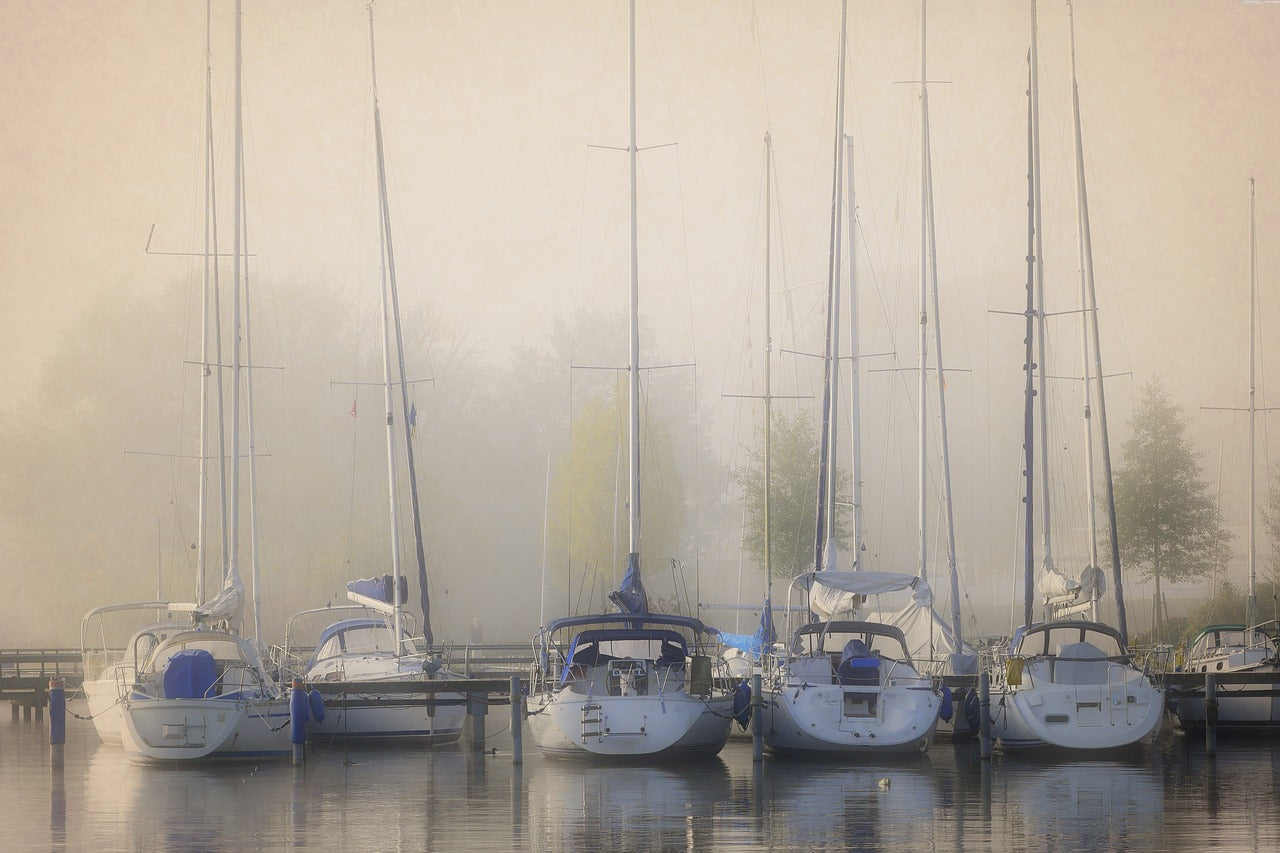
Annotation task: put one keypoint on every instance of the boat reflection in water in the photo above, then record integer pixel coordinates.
(579, 806)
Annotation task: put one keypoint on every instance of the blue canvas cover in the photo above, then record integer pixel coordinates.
(756, 643)
(858, 665)
(630, 595)
(190, 674)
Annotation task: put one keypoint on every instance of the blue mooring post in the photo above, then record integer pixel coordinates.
(984, 712)
(1210, 714)
(757, 719)
(517, 721)
(299, 711)
(57, 720)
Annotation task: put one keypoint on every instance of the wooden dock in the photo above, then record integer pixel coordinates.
(25, 675)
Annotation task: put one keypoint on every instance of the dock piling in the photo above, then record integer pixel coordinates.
(1210, 714)
(517, 721)
(57, 720)
(477, 707)
(984, 718)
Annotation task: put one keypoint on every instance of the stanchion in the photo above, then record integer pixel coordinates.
(57, 720)
(517, 721)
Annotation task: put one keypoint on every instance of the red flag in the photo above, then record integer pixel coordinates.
(353, 407)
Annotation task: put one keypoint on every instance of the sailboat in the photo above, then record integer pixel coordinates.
(373, 645)
(633, 683)
(1065, 684)
(205, 693)
(110, 668)
(843, 685)
(1248, 647)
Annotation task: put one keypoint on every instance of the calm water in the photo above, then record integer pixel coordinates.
(1173, 798)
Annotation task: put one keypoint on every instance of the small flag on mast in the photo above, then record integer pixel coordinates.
(353, 405)
(413, 420)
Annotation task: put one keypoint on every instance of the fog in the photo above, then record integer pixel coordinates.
(509, 213)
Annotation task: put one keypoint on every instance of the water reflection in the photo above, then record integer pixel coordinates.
(1173, 798)
(577, 806)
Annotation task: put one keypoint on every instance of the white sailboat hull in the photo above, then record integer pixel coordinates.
(102, 695)
(1243, 707)
(566, 724)
(839, 718)
(168, 730)
(1123, 713)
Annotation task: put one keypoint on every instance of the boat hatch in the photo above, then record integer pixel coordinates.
(860, 704)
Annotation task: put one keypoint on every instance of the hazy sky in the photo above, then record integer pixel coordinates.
(490, 109)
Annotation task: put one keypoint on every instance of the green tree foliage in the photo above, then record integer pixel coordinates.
(1169, 526)
(1271, 518)
(793, 496)
(589, 496)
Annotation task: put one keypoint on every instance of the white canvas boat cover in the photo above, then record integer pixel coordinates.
(930, 640)
(833, 592)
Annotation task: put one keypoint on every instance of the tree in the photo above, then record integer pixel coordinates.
(793, 497)
(590, 492)
(1271, 518)
(1168, 524)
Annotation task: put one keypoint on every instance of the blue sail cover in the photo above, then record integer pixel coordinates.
(380, 589)
(753, 644)
(630, 596)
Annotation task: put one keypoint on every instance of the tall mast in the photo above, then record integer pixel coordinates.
(1029, 392)
(205, 370)
(1251, 607)
(233, 561)
(391, 316)
(855, 380)
(633, 368)
(768, 354)
(1038, 251)
(212, 260)
(932, 252)
(1087, 321)
(255, 577)
(923, 345)
(1091, 309)
(825, 542)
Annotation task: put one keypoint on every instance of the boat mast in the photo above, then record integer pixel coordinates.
(768, 354)
(1251, 606)
(1041, 378)
(932, 251)
(205, 370)
(633, 367)
(233, 560)
(1091, 309)
(825, 542)
(1029, 368)
(923, 345)
(855, 380)
(1087, 320)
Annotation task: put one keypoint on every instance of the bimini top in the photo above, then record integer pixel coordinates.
(1042, 633)
(628, 620)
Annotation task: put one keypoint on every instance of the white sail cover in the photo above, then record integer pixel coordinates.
(1054, 584)
(226, 606)
(930, 640)
(831, 593)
